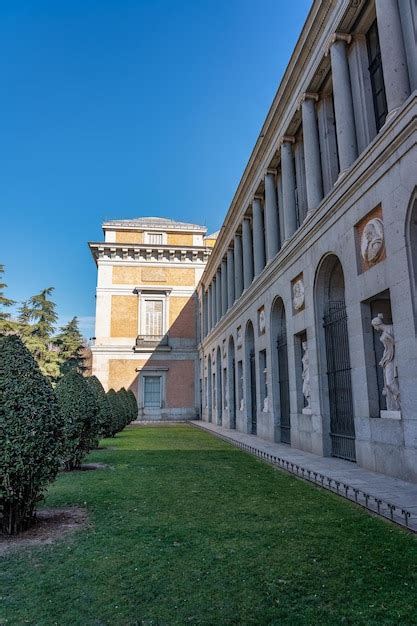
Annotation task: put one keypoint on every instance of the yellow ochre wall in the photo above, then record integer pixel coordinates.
(128, 236)
(124, 316)
(176, 239)
(177, 277)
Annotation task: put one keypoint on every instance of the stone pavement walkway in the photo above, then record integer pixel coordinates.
(389, 497)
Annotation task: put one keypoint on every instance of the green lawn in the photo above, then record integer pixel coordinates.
(186, 529)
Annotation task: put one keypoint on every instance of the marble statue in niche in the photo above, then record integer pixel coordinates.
(262, 321)
(265, 407)
(388, 363)
(239, 336)
(298, 296)
(372, 241)
(306, 378)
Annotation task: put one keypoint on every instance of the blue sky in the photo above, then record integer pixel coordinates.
(122, 108)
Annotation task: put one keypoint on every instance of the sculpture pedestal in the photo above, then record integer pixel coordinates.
(391, 415)
(307, 410)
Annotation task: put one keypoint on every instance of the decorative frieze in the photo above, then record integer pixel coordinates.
(148, 254)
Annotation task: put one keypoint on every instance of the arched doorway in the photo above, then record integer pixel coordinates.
(250, 374)
(231, 371)
(335, 374)
(209, 391)
(219, 403)
(280, 377)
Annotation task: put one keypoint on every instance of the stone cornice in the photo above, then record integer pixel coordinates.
(322, 21)
(391, 138)
(150, 253)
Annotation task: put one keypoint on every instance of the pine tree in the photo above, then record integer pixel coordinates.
(6, 324)
(37, 319)
(70, 346)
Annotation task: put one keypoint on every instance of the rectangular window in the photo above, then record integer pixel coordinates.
(377, 76)
(154, 318)
(154, 238)
(152, 392)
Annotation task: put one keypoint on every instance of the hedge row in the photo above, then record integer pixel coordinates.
(43, 430)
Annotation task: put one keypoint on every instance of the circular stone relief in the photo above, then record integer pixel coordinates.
(372, 241)
(298, 294)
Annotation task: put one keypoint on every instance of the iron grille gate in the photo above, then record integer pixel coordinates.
(253, 391)
(342, 427)
(284, 387)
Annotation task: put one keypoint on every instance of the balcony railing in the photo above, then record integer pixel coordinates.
(151, 341)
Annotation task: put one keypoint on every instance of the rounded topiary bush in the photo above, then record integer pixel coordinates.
(105, 411)
(31, 432)
(126, 407)
(81, 415)
(133, 404)
(116, 410)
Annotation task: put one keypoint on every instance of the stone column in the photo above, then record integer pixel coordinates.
(224, 286)
(314, 182)
(343, 105)
(247, 253)
(394, 63)
(230, 278)
(258, 236)
(209, 309)
(205, 311)
(280, 209)
(408, 14)
(288, 187)
(218, 295)
(328, 144)
(213, 303)
(271, 217)
(238, 265)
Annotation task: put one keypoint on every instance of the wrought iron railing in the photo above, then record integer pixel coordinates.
(392, 512)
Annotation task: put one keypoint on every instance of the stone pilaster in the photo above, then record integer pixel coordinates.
(314, 182)
(230, 278)
(258, 236)
(394, 63)
(288, 187)
(247, 253)
(271, 217)
(343, 104)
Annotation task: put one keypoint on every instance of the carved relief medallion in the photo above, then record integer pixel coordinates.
(372, 241)
(261, 320)
(298, 295)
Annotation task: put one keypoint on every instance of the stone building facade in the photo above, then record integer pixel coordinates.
(308, 302)
(146, 322)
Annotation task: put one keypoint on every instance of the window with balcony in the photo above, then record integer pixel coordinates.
(377, 76)
(154, 318)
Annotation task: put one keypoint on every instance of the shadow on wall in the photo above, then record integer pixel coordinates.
(177, 375)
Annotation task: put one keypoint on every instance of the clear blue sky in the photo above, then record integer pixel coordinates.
(122, 108)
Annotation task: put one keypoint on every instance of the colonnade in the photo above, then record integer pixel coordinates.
(329, 150)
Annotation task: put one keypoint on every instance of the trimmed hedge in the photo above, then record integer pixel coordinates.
(122, 410)
(31, 430)
(81, 414)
